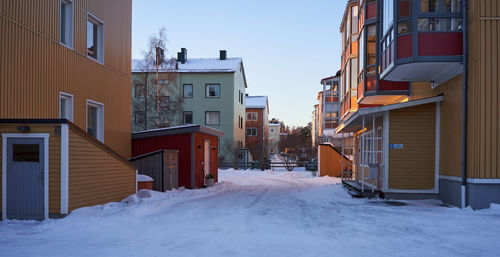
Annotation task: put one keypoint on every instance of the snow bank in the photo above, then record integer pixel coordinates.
(144, 178)
(259, 213)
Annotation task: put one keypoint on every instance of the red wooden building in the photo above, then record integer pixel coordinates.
(198, 148)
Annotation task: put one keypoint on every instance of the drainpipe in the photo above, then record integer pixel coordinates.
(464, 104)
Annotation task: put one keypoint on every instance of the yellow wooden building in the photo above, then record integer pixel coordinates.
(64, 105)
(440, 137)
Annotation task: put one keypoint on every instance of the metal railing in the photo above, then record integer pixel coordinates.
(263, 165)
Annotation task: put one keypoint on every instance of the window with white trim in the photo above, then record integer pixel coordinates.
(95, 38)
(66, 22)
(212, 118)
(66, 106)
(252, 116)
(95, 120)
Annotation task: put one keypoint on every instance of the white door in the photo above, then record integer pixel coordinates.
(206, 157)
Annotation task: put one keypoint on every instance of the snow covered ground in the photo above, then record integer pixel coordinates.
(254, 213)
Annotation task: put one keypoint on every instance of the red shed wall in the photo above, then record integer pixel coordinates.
(199, 140)
(180, 142)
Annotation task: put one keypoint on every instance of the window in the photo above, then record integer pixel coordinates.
(251, 132)
(65, 106)
(140, 90)
(95, 38)
(188, 117)
(404, 27)
(452, 6)
(354, 73)
(164, 102)
(272, 130)
(429, 5)
(188, 91)
(388, 15)
(251, 116)
(95, 120)
(66, 26)
(212, 91)
(354, 20)
(212, 118)
(139, 117)
(439, 24)
(26, 152)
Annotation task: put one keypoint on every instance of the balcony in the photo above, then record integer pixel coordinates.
(426, 42)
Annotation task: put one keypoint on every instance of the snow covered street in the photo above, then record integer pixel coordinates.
(255, 213)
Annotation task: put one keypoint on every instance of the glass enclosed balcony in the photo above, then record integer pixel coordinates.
(421, 40)
(371, 90)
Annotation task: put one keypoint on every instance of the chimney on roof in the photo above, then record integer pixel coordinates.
(182, 55)
(222, 54)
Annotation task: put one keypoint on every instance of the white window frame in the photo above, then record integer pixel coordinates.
(184, 90)
(69, 108)
(206, 118)
(100, 37)
(69, 21)
(100, 118)
(254, 116)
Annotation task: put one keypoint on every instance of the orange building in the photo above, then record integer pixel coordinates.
(257, 126)
(64, 105)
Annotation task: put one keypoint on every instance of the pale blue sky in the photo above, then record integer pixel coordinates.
(286, 46)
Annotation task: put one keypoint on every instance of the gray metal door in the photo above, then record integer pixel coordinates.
(25, 181)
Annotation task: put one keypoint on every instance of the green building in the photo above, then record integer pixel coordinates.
(205, 91)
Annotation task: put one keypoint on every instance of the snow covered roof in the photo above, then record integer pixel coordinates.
(256, 102)
(274, 124)
(192, 65)
(144, 178)
(176, 130)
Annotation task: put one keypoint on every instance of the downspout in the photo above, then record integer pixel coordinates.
(464, 104)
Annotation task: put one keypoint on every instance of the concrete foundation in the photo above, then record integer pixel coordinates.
(479, 195)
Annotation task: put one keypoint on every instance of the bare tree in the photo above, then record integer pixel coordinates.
(161, 102)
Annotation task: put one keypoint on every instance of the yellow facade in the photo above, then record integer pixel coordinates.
(35, 67)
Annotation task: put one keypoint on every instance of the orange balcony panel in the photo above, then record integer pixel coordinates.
(354, 103)
(354, 47)
(371, 84)
(361, 89)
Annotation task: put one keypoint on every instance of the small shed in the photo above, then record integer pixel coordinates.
(198, 148)
(330, 161)
(161, 166)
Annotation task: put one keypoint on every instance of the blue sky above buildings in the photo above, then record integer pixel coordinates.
(286, 46)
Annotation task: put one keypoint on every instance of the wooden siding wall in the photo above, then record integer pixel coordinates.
(483, 150)
(412, 168)
(54, 161)
(35, 67)
(450, 161)
(330, 161)
(95, 176)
